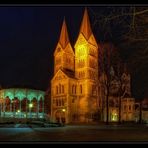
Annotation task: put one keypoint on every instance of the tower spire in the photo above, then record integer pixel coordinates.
(85, 25)
(64, 38)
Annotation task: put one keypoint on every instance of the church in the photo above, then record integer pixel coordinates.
(76, 88)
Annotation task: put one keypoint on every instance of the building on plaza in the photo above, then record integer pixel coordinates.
(21, 103)
(77, 94)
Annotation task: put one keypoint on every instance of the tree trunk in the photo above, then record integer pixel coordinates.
(119, 120)
(107, 107)
(140, 113)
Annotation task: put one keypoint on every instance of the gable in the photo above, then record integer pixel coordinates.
(60, 75)
(58, 49)
(69, 49)
(80, 41)
(92, 41)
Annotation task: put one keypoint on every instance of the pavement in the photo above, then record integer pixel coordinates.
(76, 133)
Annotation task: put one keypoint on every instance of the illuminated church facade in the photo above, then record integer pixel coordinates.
(76, 91)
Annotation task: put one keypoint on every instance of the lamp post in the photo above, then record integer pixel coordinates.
(63, 118)
(13, 103)
(30, 107)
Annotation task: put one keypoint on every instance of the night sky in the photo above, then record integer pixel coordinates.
(28, 37)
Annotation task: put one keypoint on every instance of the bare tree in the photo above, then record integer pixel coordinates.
(126, 27)
(108, 58)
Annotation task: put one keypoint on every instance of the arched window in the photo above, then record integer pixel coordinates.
(59, 88)
(57, 102)
(56, 89)
(81, 89)
(75, 89)
(129, 107)
(62, 88)
(60, 103)
(72, 89)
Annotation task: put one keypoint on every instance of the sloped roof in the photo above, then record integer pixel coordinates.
(85, 25)
(64, 38)
(69, 73)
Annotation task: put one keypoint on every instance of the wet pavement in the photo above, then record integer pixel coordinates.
(76, 133)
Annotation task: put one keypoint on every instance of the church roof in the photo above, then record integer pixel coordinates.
(69, 73)
(85, 25)
(64, 38)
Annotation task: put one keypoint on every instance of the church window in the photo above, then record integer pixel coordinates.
(57, 102)
(59, 88)
(129, 107)
(60, 103)
(81, 89)
(62, 88)
(56, 89)
(75, 89)
(72, 89)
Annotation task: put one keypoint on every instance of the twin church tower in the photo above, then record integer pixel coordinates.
(74, 86)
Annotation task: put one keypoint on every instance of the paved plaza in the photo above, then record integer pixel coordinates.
(76, 133)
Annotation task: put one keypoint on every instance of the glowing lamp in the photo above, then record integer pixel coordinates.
(63, 110)
(30, 105)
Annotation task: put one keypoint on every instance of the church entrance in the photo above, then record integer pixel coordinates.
(60, 117)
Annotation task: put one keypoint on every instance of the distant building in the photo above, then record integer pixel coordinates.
(117, 93)
(141, 111)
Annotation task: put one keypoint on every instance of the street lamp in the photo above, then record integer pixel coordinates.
(63, 110)
(13, 103)
(30, 107)
(63, 116)
(18, 113)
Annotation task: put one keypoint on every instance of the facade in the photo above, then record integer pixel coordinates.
(21, 103)
(128, 109)
(141, 111)
(119, 97)
(74, 91)
(78, 93)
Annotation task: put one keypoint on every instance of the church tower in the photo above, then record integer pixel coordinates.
(63, 55)
(86, 52)
(86, 68)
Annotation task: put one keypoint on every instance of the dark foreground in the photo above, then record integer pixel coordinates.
(76, 133)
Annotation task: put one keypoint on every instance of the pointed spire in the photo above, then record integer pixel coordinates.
(64, 39)
(85, 25)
